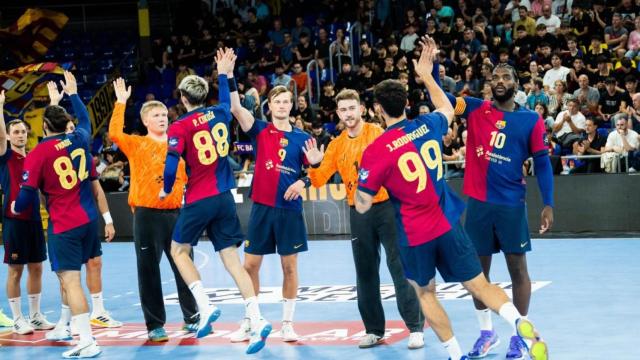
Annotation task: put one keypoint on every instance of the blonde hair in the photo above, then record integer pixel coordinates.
(195, 89)
(280, 89)
(147, 106)
(347, 94)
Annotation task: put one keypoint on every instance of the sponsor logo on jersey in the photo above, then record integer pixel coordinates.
(268, 164)
(363, 175)
(173, 141)
(25, 175)
(479, 150)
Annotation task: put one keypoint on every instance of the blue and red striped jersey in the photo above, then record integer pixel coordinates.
(407, 160)
(279, 163)
(11, 168)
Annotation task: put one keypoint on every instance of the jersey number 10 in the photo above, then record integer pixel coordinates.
(430, 155)
(64, 169)
(208, 151)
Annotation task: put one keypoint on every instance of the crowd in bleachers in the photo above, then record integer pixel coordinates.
(576, 62)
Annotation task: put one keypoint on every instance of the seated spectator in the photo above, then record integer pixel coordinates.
(544, 114)
(633, 113)
(300, 77)
(537, 95)
(282, 78)
(621, 142)
(259, 82)
(558, 98)
(557, 72)
(183, 71)
(569, 126)
(468, 85)
(347, 79)
(320, 134)
(590, 144)
(327, 104)
(304, 111)
(448, 84)
(633, 44)
(588, 97)
(612, 103)
(615, 36)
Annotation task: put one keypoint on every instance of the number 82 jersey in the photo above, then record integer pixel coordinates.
(407, 160)
(202, 138)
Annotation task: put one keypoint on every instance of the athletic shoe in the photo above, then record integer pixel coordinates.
(158, 335)
(204, 325)
(464, 357)
(517, 349)
(243, 333)
(287, 332)
(104, 320)
(88, 350)
(416, 340)
(531, 339)
(369, 340)
(22, 327)
(4, 320)
(39, 322)
(259, 337)
(59, 333)
(192, 325)
(488, 340)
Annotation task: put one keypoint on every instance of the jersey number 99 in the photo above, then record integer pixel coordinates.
(63, 167)
(412, 164)
(212, 144)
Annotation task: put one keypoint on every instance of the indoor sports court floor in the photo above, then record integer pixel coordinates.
(582, 302)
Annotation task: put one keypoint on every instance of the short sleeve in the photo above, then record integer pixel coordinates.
(93, 173)
(175, 139)
(258, 125)
(372, 172)
(435, 121)
(7, 155)
(466, 104)
(32, 170)
(538, 142)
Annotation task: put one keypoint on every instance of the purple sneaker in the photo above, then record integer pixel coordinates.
(488, 340)
(517, 349)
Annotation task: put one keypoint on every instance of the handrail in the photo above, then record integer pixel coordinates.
(262, 112)
(356, 25)
(331, 47)
(313, 62)
(295, 92)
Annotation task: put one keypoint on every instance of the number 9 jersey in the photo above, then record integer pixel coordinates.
(62, 168)
(202, 138)
(407, 160)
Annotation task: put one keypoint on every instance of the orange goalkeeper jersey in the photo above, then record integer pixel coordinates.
(146, 161)
(344, 155)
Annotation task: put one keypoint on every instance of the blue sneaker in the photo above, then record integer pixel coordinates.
(517, 349)
(259, 337)
(158, 335)
(204, 326)
(488, 340)
(464, 357)
(531, 340)
(192, 325)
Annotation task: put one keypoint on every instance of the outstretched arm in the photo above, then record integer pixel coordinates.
(226, 61)
(70, 87)
(423, 67)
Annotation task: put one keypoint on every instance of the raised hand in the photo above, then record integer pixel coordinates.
(122, 91)
(69, 85)
(54, 94)
(424, 65)
(310, 149)
(2, 98)
(225, 60)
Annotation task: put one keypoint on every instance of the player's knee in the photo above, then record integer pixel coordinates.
(289, 270)
(178, 250)
(35, 269)
(94, 264)
(15, 272)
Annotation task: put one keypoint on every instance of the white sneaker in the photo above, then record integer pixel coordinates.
(21, 326)
(61, 332)
(40, 322)
(632, 170)
(369, 340)
(104, 320)
(259, 336)
(87, 350)
(287, 332)
(416, 340)
(243, 333)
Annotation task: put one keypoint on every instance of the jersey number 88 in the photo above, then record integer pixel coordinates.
(208, 151)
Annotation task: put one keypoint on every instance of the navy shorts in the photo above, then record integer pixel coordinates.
(452, 253)
(494, 228)
(23, 241)
(70, 249)
(217, 215)
(272, 229)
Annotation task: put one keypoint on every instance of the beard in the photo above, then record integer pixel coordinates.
(509, 93)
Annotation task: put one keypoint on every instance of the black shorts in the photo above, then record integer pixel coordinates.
(23, 241)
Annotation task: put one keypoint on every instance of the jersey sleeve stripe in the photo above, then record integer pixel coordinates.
(364, 189)
(461, 106)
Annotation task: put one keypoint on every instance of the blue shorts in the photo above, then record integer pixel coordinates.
(452, 253)
(493, 228)
(272, 228)
(217, 215)
(23, 241)
(70, 249)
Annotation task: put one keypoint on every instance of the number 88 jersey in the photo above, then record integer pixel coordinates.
(202, 138)
(407, 160)
(61, 167)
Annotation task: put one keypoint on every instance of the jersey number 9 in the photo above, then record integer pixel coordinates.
(63, 167)
(412, 164)
(212, 144)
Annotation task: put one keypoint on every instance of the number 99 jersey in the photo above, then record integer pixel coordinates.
(62, 168)
(407, 160)
(202, 138)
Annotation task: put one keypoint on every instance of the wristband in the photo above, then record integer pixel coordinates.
(232, 85)
(107, 218)
(306, 181)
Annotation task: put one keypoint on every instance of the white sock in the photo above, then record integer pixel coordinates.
(34, 304)
(453, 348)
(288, 308)
(65, 315)
(484, 319)
(84, 328)
(201, 297)
(14, 304)
(252, 311)
(509, 312)
(97, 304)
